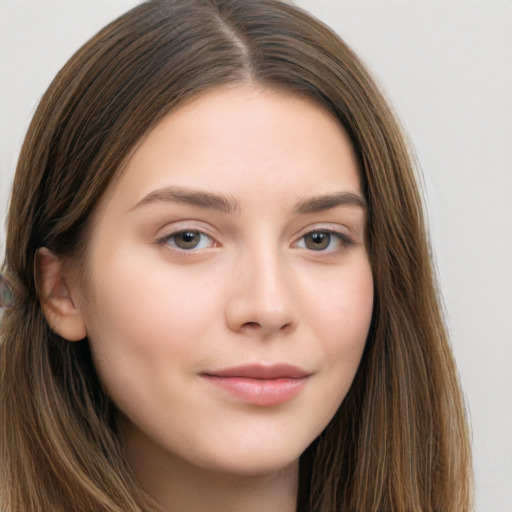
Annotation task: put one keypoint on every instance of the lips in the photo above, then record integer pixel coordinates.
(262, 372)
(263, 385)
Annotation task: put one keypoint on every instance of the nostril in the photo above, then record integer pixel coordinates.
(286, 326)
(261, 311)
(252, 325)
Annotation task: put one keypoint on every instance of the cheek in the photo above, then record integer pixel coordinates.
(341, 318)
(341, 309)
(144, 325)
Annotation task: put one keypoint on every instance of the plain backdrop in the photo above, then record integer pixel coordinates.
(446, 66)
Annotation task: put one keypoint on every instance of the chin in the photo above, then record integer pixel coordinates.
(258, 468)
(256, 461)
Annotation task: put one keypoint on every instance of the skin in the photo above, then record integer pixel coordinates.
(266, 283)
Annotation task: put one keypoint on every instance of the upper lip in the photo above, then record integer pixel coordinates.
(261, 371)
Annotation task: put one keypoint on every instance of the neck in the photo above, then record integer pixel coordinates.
(179, 486)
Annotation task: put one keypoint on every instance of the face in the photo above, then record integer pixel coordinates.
(230, 292)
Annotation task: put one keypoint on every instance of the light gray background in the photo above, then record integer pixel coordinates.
(446, 66)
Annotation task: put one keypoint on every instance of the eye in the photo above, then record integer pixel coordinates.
(188, 239)
(323, 240)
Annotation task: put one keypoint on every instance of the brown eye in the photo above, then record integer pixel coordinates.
(318, 240)
(188, 240)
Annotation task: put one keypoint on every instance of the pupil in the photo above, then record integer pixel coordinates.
(187, 239)
(188, 236)
(318, 241)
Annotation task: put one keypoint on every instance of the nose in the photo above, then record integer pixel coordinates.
(262, 300)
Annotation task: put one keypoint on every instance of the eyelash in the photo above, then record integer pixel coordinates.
(166, 240)
(342, 240)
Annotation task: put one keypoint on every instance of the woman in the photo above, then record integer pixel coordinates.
(224, 298)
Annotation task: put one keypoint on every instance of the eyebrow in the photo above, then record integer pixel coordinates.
(185, 195)
(327, 201)
(228, 204)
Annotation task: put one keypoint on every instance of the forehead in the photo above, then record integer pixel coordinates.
(243, 139)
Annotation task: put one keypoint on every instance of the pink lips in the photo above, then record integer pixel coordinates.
(258, 384)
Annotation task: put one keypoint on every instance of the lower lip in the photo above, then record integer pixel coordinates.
(260, 391)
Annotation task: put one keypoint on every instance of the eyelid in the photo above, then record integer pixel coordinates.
(171, 240)
(344, 238)
(342, 234)
(184, 227)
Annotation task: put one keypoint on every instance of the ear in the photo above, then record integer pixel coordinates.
(61, 312)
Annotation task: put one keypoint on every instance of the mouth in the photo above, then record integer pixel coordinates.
(263, 385)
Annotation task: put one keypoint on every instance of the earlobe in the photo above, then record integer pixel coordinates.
(59, 308)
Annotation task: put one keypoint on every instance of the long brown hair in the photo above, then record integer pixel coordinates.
(399, 441)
